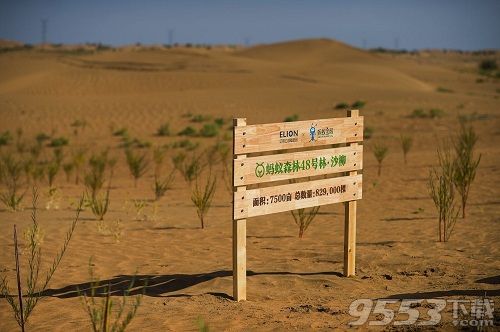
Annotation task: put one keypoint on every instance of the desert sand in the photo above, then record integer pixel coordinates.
(293, 284)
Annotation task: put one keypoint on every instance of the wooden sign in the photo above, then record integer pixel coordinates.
(317, 160)
(258, 202)
(295, 165)
(299, 134)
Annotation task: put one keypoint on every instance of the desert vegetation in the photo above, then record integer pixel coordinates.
(443, 193)
(406, 144)
(180, 160)
(304, 217)
(137, 163)
(465, 164)
(358, 104)
(11, 170)
(202, 197)
(104, 313)
(30, 294)
(164, 130)
(380, 152)
(488, 67)
(433, 113)
(454, 174)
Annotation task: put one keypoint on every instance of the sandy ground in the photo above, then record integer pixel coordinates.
(293, 284)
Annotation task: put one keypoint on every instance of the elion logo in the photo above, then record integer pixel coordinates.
(288, 136)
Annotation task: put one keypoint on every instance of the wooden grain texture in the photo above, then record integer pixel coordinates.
(278, 167)
(244, 205)
(350, 210)
(239, 237)
(240, 260)
(291, 135)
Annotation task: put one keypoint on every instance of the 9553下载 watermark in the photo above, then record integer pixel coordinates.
(422, 312)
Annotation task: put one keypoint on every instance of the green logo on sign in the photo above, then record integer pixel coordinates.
(260, 170)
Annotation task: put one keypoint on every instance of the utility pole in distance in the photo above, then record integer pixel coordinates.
(171, 37)
(44, 30)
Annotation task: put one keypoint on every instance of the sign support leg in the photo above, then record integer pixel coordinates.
(350, 239)
(239, 236)
(239, 260)
(350, 226)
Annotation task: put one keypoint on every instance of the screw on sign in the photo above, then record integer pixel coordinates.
(309, 153)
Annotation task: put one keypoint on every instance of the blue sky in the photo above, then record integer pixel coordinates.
(456, 24)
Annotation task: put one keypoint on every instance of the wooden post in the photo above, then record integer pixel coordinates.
(239, 234)
(350, 225)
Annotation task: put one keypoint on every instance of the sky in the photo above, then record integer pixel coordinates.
(402, 24)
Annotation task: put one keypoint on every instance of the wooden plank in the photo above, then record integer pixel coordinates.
(239, 235)
(240, 260)
(350, 223)
(294, 165)
(299, 134)
(269, 200)
(350, 238)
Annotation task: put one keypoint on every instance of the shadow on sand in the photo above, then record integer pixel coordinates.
(445, 293)
(158, 285)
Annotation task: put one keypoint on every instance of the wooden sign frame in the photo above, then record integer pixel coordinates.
(320, 159)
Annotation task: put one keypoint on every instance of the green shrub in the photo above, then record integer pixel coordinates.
(200, 118)
(185, 144)
(161, 186)
(42, 137)
(443, 194)
(164, 130)
(78, 124)
(95, 176)
(58, 142)
(303, 218)
(292, 118)
(104, 313)
(78, 159)
(188, 131)
(436, 113)
(432, 113)
(121, 132)
(98, 205)
(406, 144)
(209, 130)
(202, 197)
(419, 113)
(11, 171)
(128, 142)
(219, 122)
(140, 144)
(342, 106)
(368, 132)
(68, 170)
(137, 164)
(28, 298)
(444, 90)
(488, 65)
(358, 104)
(5, 138)
(465, 164)
(380, 152)
(189, 168)
(52, 170)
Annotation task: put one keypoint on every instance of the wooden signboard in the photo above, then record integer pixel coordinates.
(316, 157)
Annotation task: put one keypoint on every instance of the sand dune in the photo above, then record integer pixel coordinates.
(292, 283)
